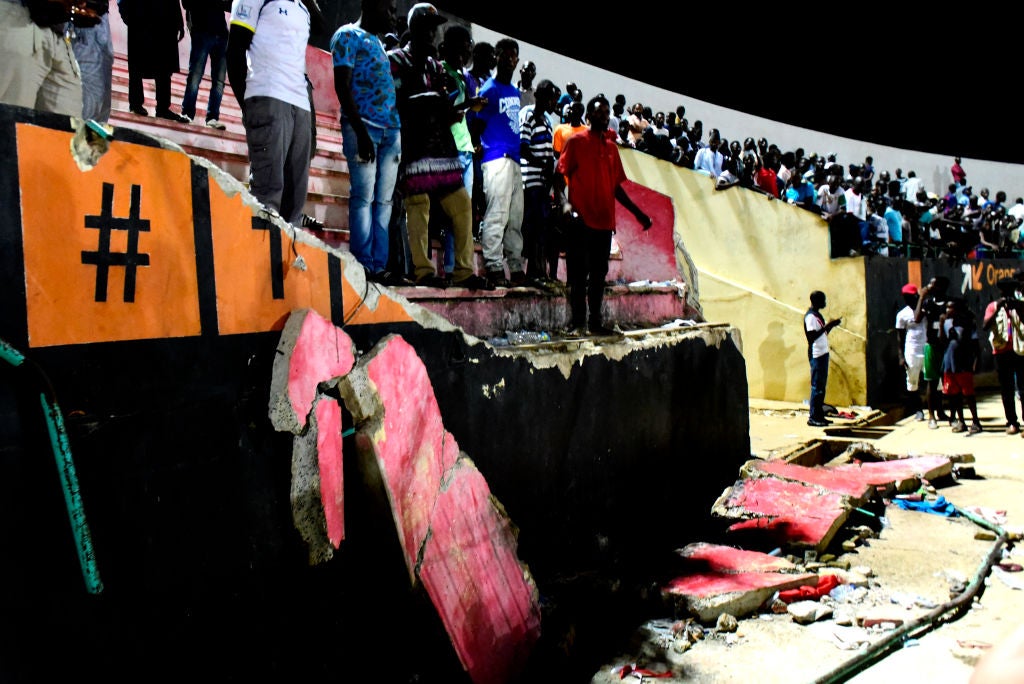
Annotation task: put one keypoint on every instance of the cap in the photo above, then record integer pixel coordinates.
(424, 12)
(909, 288)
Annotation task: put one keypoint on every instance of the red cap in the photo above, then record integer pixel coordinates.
(909, 288)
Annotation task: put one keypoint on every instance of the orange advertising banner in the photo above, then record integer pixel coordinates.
(141, 247)
(108, 253)
(258, 282)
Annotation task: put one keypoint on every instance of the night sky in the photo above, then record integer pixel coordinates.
(931, 82)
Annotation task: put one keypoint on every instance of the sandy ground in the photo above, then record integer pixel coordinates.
(915, 560)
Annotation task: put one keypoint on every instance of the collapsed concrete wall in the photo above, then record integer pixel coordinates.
(151, 297)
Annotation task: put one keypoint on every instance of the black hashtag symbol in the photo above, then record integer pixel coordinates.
(103, 258)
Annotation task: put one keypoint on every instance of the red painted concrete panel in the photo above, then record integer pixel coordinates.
(887, 472)
(456, 542)
(790, 512)
(313, 350)
(472, 573)
(415, 451)
(726, 559)
(712, 584)
(329, 457)
(846, 482)
(650, 254)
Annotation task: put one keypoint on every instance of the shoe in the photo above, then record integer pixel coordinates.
(311, 223)
(214, 123)
(434, 281)
(604, 331)
(817, 423)
(933, 425)
(171, 116)
(190, 118)
(391, 279)
(1012, 430)
(140, 111)
(974, 429)
(959, 426)
(575, 331)
(518, 279)
(919, 416)
(497, 278)
(474, 282)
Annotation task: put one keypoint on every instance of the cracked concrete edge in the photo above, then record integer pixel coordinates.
(308, 514)
(566, 357)
(282, 414)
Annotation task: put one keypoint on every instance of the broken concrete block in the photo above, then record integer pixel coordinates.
(458, 542)
(728, 580)
(317, 484)
(831, 479)
(884, 473)
(311, 350)
(806, 612)
(726, 559)
(788, 513)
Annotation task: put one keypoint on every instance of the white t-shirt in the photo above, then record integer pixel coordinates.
(820, 345)
(277, 55)
(917, 333)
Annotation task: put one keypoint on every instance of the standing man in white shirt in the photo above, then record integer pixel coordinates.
(267, 71)
(911, 335)
(816, 330)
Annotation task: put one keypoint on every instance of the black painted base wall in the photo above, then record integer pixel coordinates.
(185, 486)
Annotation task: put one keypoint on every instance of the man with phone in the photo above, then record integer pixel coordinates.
(816, 330)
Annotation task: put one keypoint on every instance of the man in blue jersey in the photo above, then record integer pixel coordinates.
(501, 233)
(267, 71)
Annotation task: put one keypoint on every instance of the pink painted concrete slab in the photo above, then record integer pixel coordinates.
(415, 451)
(712, 584)
(313, 350)
(472, 573)
(723, 579)
(880, 473)
(718, 558)
(790, 513)
(329, 458)
(846, 482)
(455, 540)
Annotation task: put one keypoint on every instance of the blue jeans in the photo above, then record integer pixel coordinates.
(448, 239)
(819, 379)
(371, 186)
(205, 45)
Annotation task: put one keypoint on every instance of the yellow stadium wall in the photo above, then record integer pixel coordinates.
(755, 262)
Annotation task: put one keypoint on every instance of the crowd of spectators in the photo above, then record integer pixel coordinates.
(868, 214)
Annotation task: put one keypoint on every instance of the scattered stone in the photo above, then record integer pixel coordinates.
(985, 535)
(806, 612)
(845, 616)
(862, 570)
(694, 632)
(726, 623)
(850, 545)
(827, 558)
(681, 645)
(841, 563)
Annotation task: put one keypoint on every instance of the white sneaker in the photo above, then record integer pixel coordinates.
(213, 123)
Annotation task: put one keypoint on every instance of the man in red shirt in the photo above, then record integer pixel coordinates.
(591, 167)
